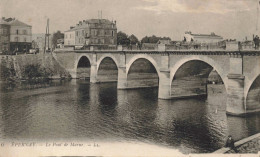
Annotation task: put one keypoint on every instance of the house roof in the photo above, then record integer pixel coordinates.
(105, 21)
(207, 35)
(3, 22)
(164, 41)
(18, 23)
(90, 21)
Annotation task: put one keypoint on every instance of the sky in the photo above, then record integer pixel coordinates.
(231, 19)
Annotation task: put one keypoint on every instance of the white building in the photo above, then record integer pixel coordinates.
(69, 37)
(202, 38)
(20, 35)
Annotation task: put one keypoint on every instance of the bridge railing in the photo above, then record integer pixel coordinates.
(220, 46)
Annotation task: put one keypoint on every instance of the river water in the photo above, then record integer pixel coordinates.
(79, 110)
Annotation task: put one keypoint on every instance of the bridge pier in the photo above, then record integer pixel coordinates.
(93, 73)
(122, 78)
(164, 85)
(93, 69)
(165, 78)
(122, 75)
(235, 97)
(235, 86)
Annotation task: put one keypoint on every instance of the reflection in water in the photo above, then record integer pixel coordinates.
(78, 110)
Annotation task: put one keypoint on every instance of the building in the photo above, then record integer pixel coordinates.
(93, 32)
(4, 36)
(39, 41)
(19, 35)
(202, 38)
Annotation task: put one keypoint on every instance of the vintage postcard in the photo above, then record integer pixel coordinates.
(129, 78)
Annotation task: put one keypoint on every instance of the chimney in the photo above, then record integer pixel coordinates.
(71, 27)
(115, 22)
(84, 21)
(80, 22)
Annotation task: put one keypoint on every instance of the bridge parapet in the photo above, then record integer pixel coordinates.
(178, 52)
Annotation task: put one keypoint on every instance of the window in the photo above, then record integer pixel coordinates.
(83, 32)
(5, 31)
(24, 32)
(16, 39)
(112, 33)
(24, 39)
(17, 31)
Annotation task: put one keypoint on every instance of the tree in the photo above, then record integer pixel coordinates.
(32, 71)
(153, 39)
(122, 39)
(7, 70)
(56, 36)
(133, 39)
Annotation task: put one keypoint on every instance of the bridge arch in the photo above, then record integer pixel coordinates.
(142, 71)
(250, 80)
(107, 56)
(78, 59)
(107, 69)
(82, 66)
(252, 92)
(142, 56)
(204, 59)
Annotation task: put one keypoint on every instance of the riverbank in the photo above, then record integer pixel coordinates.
(250, 144)
(31, 67)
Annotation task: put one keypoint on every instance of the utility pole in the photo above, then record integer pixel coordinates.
(257, 16)
(46, 36)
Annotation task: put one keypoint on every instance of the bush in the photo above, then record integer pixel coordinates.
(33, 71)
(7, 71)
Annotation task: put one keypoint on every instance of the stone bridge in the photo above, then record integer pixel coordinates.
(177, 74)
